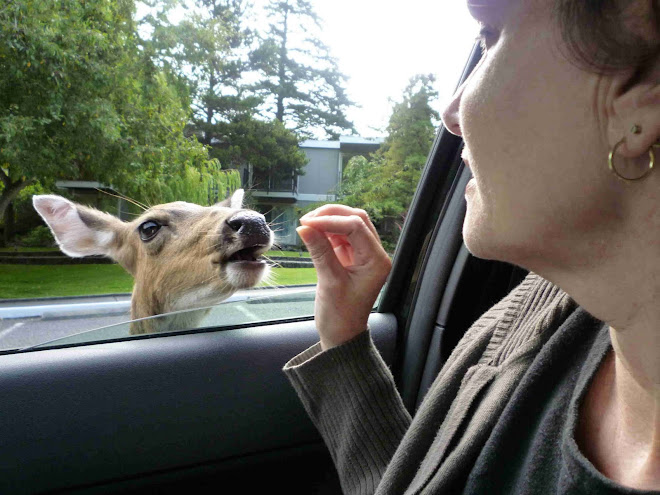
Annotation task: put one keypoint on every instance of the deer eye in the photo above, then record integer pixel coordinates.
(148, 230)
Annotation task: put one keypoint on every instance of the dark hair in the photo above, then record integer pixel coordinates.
(605, 35)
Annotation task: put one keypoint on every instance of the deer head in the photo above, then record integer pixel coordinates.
(181, 255)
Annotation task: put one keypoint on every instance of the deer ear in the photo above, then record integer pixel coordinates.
(235, 201)
(79, 231)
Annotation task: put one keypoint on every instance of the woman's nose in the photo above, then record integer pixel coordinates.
(450, 114)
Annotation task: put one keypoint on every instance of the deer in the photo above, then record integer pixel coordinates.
(181, 255)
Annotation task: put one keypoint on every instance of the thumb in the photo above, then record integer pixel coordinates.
(321, 251)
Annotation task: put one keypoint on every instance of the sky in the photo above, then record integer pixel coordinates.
(380, 44)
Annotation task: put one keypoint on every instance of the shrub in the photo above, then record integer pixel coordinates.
(38, 237)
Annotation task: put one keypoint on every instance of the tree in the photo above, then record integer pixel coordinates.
(203, 186)
(80, 100)
(209, 49)
(268, 147)
(300, 81)
(384, 184)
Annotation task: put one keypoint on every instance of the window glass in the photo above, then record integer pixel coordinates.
(128, 127)
(238, 312)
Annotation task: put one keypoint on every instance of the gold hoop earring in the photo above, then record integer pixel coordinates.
(610, 161)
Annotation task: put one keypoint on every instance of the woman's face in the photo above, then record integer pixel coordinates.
(534, 127)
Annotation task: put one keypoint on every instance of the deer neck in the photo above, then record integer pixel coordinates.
(145, 303)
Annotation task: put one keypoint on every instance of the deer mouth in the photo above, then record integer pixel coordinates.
(247, 255)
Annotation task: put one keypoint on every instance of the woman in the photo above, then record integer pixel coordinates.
(557, 388)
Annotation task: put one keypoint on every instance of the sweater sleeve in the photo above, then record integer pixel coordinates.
(349, 393)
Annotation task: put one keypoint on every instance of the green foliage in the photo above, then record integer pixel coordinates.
(299, 79)
(39, 236)
(267, 146)
(204, 186)
(384, 184)
(25, 218)
(209, 50)
(80, 99)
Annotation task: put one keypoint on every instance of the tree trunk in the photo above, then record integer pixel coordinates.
(10, 192)
(282, 68)
(9, 224)
(209, 109)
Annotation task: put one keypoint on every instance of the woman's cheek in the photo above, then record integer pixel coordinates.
(474, 112)
(467, 107)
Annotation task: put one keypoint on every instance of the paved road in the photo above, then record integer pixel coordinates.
(69, 318)
(17, 333)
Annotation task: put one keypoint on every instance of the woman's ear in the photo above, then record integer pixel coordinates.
(636, 104)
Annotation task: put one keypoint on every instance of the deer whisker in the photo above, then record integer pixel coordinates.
(125, 198)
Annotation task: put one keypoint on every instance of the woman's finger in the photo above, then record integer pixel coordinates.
(321, 251)
(357, 233)
(344, 254)
(337, 239)
(343, 210)
(342, 248)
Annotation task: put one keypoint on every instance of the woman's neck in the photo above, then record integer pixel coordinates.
(636, 397)
(622, 288)
(619, 441)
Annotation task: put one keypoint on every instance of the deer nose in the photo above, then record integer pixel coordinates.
(251, 226)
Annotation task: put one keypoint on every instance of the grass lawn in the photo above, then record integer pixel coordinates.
(292, 276)
(24, 281)
(27, 249)
(17, 281)
(288, 254)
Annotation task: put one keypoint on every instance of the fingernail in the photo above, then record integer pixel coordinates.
(302, 232)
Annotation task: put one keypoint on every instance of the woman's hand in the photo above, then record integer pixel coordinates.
(351, 265)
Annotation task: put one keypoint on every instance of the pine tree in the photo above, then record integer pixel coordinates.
(210, 50)
(300, 80)
(384, 184)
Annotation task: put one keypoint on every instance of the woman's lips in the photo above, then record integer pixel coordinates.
(470, 186)
(465, 159)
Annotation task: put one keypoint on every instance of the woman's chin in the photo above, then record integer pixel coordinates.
(483, 236)
(484, 241)
(476, 235)
(501, 244)
(475, 241)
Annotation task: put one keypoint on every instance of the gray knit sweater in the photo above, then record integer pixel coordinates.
(499, 418)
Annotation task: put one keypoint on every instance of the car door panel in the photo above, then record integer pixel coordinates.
(445, 244)
(93, 413)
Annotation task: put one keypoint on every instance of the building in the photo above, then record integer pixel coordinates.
(281, 201)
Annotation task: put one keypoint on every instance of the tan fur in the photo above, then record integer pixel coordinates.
(186, 259)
